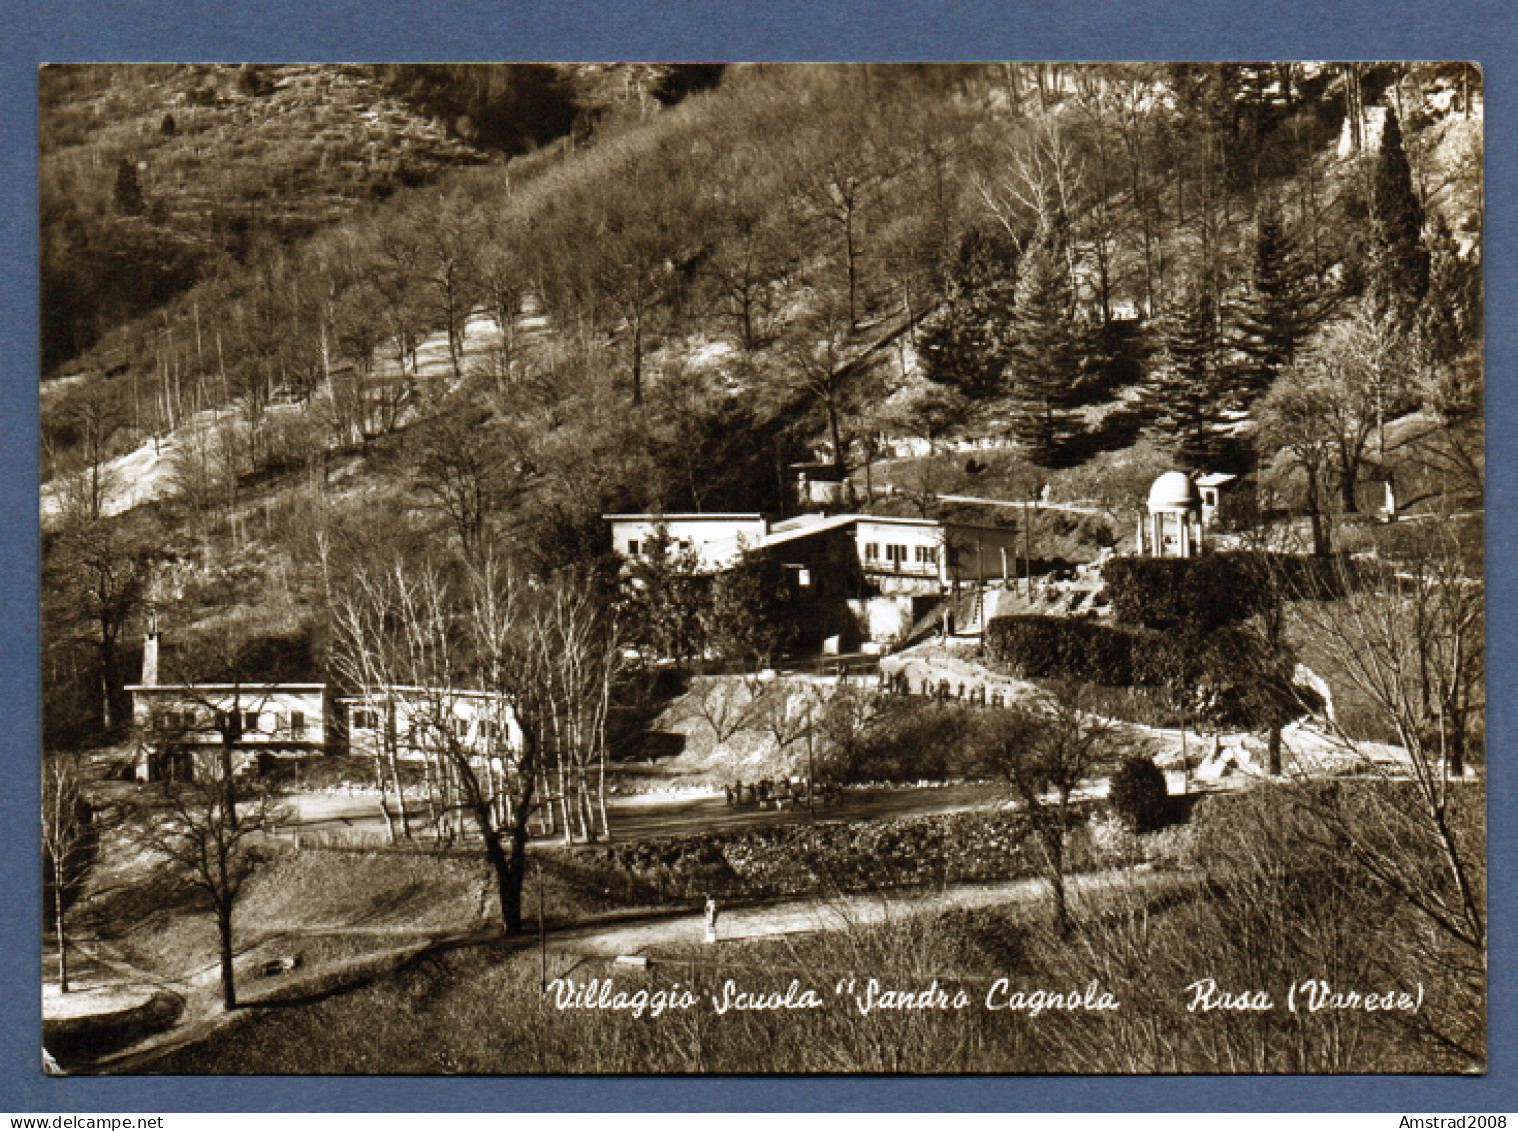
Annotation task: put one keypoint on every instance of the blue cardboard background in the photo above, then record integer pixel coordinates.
(366, 30)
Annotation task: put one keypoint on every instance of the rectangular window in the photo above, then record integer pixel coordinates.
(632, 547)
(250, 720)
(871, 551)
(364, 719)
(298, 722)
(927, 554)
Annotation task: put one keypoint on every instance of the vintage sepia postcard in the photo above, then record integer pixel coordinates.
(763, 568)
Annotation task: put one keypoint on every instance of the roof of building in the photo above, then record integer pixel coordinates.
(1214, 479)
(822, 470)
(712, 516)
(402, 691)
(806, 527)
(251, 689)
(1174, 491)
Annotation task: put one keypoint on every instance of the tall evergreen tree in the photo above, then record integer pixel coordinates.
(1398, 262)
(1449, 329)
(1280, 308)
(1047, 361)
(129, 198)
(1194, 384)
(971, 347)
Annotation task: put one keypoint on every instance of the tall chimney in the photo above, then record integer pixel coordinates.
(150, 660)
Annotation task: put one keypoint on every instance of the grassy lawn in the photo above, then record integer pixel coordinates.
(479, 1009)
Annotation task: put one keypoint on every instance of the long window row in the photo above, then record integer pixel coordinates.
(896, 556)
(293, 722)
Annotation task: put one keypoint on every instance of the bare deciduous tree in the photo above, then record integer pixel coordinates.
(208, 823)
(66, 827)
(724, 705)
(1044, 753)
(507, 686)
(1407, 636)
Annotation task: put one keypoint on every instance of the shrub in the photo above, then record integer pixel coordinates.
(908, 740)
(1203, 592)
(1138, 795)
(1159, 659)
(1220, 676)
(1239, 509)
(1035, 647)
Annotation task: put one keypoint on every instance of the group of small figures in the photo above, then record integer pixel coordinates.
(783, 794)
(975, 694)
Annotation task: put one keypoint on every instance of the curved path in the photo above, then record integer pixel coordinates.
(842, 912)
(631, 936)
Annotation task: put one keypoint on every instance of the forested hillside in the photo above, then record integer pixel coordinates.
(154, 178)
(469, 307)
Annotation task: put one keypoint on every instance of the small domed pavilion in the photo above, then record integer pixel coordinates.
(1173, 526)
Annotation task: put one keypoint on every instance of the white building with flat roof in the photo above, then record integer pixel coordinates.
(718, 539)
(412, 721)
(887, 549)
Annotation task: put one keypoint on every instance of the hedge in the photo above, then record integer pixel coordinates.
(825, 856)
(1200, 593)
(1214, 590)
(1035, 647)
(1218, 673)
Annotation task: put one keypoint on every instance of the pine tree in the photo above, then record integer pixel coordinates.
(1280, 309)
(1047, 360)
(1194, 384)
(1449, 329)
(971, 347)
(1398, 263)
(129, 197)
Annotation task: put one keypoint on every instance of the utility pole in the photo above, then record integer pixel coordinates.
(1027, 549)
(811, 773)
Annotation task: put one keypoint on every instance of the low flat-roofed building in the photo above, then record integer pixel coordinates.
(894, 552)
(410, 718)
(270, 720)
(718, 539)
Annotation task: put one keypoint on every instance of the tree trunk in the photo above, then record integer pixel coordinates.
(106, 719)
(509, 863)
(384, 788)
(1057, 884)
(1320, 546)
(848, 243)
(1273, 758)
(637, 360)
(836, 433)
(228, 985)
(601, 796)
(63, 943)
(1347, 484)
(400, 795)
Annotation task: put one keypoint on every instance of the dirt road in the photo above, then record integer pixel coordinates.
(804, 916)
(203, 1014)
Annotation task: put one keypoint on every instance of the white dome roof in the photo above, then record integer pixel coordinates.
(1174, 491)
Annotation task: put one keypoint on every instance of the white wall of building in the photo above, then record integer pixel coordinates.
(292, 713)
(719, 539)
(482, 722)
(911, 548)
